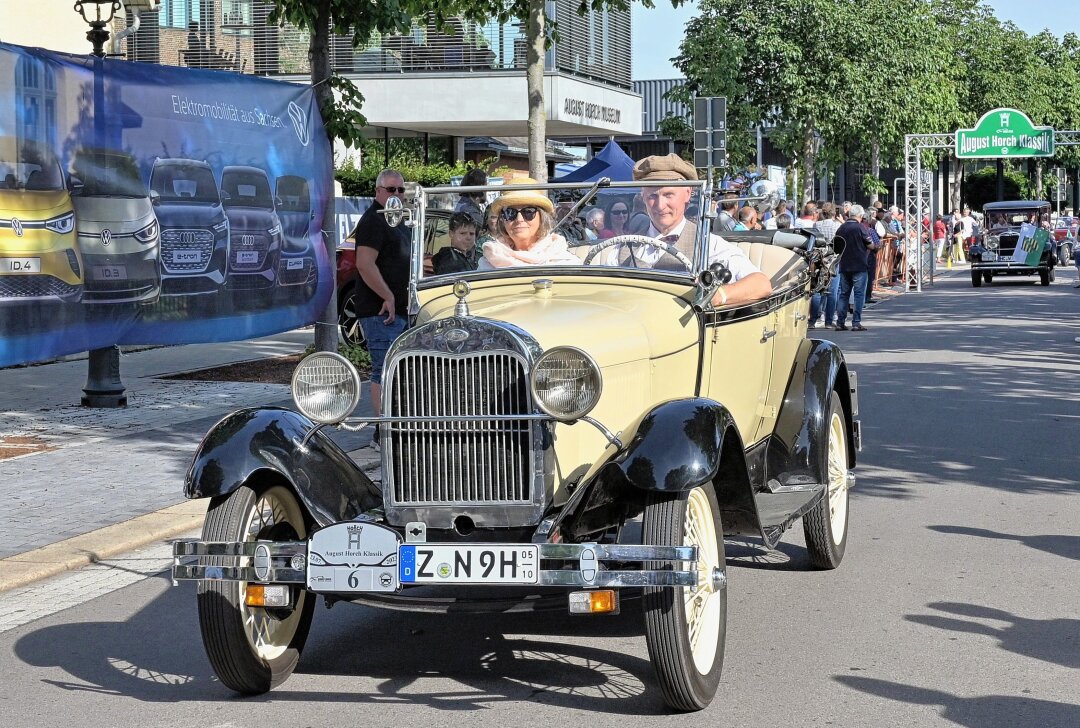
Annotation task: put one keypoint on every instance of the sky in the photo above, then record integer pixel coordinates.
(657, 32)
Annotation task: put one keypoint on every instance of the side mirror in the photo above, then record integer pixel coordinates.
(76, 186)
(155, 198)
(225, 196)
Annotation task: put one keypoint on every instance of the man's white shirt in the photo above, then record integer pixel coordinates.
(720, 251)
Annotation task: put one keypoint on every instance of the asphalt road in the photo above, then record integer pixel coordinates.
(956, 604)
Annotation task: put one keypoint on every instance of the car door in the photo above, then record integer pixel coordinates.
(737, 363)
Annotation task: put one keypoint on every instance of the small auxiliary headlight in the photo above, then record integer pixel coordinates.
(326, 387)
(566, 383)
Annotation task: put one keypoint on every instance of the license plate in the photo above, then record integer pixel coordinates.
(110, 272)
(20, 265)
(247, 257)
(468, 564)
(294, 264)
(990, 257)
(186, 256)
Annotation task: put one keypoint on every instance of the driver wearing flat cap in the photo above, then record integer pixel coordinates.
(666, 207)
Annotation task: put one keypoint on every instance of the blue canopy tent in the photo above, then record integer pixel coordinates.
(611, 161)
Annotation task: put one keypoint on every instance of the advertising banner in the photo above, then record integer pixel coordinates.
(1031, 244)
(147, 204)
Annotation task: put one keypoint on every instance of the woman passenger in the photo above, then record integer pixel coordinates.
(524, 233)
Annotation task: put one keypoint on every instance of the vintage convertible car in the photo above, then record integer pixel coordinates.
(581, 433)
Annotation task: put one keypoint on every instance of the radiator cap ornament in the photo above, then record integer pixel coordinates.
(461, 290)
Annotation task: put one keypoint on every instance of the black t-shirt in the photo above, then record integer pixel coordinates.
(854, 257)
(393, 246)
(452, 260)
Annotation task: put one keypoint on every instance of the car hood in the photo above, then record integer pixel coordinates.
(615, 322)
(120, 211)
(186, 215)
(251, 218)
(21, 202)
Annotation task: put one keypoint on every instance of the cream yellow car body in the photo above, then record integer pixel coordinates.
(642, 334)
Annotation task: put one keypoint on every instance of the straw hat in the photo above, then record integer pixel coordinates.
(522, 198)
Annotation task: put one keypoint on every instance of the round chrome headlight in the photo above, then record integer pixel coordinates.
(992, 242)
(326, 387)
(566, 383)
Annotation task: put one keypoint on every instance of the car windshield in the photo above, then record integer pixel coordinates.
(246, 189)
(184, 183)
(105, 174)
(560, 228)
(1013, 218)
(28, 166)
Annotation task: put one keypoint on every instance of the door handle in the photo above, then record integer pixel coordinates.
(767, 334)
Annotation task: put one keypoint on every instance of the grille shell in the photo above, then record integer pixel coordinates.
(437, 470)
(198, 239)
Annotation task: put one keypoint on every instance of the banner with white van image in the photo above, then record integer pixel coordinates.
(147, 204)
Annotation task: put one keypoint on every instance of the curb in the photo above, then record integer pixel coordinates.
(73, 553)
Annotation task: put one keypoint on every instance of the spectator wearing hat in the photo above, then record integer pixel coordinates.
(666, 207)
(525, 234)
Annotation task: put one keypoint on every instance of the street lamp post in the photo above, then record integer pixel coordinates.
(104, 387)
(98, 35)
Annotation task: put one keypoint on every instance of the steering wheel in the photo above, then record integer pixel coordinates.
(634, 241)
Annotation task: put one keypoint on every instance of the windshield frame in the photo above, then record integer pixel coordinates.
(416, 200)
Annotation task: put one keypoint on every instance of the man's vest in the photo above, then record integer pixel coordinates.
(685, 244)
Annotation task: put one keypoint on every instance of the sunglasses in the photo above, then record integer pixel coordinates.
(399, 190)
(618, 212)
(510, 213)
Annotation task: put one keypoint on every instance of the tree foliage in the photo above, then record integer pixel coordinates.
(838, 79)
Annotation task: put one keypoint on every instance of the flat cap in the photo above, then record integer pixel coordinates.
(669, 166)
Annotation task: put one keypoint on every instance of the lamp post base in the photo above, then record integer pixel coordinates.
(103, 386)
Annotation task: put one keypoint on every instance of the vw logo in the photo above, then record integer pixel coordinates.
(299, 123)
(16, 225)
(106, 236)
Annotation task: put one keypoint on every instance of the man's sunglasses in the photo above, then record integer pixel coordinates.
(510, 213)
(399, 190)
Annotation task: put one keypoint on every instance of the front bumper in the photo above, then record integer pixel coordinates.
(1005, 266)
(579, 565)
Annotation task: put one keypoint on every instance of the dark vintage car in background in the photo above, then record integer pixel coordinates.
(993, 256)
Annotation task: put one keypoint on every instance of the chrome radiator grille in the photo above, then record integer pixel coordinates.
(437, 463)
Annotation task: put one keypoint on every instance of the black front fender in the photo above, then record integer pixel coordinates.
(248, 441)
(676, 446)
(796, 453)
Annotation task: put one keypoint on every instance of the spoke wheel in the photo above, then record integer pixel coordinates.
(686, 627)
(253, 649)
(826, 526)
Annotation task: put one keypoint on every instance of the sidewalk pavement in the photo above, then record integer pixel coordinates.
(98, 482)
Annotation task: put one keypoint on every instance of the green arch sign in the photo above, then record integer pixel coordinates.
(1003, 133)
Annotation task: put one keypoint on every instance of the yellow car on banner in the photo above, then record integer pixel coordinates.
(38, 256)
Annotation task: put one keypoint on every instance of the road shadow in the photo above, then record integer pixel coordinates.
(1064, 545)
(1056, 641)
(985, 711)
(157, 656)
(960, 386)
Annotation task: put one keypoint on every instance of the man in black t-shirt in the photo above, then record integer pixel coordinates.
(382, 259)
